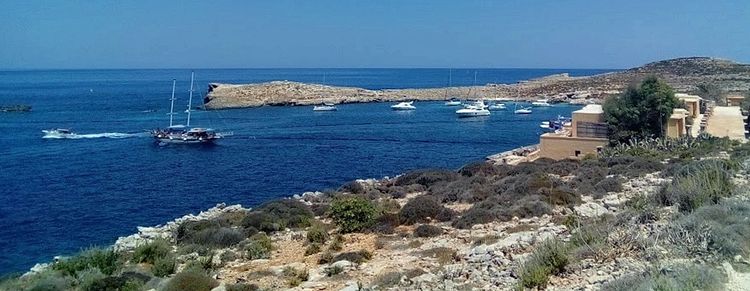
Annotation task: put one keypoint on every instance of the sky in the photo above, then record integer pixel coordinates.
(58, 34)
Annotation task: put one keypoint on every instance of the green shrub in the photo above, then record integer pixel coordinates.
(87, 278)
(317, 234)
(151, 251)
(353, 213)
(193, 248)
(357, 257)
(426, 230)
(353, 187)
(278, 215)
(128, 281)
(680, 277)
(259, 247)
(50, 281)
(164, 266)
(106, 260)
(295, 277)
(191, 280)
(698, 183)
(640, 112)
(549, 258)
(425, 177)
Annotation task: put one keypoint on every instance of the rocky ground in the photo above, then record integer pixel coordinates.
(684, 74)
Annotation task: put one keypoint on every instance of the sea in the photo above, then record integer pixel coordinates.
(59, 196)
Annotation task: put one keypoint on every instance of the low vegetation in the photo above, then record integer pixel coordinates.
(549, 258)
(353, 213)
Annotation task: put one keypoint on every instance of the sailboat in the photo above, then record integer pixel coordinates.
(452, 101)
(478, 108)
(184, 134)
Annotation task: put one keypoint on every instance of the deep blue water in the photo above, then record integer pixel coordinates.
(58, 196)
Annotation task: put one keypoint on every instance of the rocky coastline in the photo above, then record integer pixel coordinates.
(683, 74)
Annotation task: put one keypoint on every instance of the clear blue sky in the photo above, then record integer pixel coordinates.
(384, 33)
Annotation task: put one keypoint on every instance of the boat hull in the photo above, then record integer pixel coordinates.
(183, 141)
(472, 113)
(403, 108)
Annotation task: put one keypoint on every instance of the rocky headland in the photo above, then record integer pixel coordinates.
(683, 74)
(640, 216)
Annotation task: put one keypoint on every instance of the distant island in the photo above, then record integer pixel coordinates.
(683, 74)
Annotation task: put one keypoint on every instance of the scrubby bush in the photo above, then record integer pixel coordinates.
(88, 277)
(425, 177)
(420, 210)
(279, 214)
(164, 266)
(325, 258)
(474, 215)
(426, 230)
(720, 229)
(698, 183)
(259, 247)
(466, 189)
(386, 280)
(106, 260)
(312, 248)
(680, 277)
(609, 184)
(549, 258)
(191, 279)
(47, 281)
(208, 233)
(336, 243)
(127, 281)
(357, 257)
(317, 234)
(149, 252)
(483, 168)
(333, 270)
(353, 187)
(353, 213)
(443, 255)
(243, 287)
(385, 223)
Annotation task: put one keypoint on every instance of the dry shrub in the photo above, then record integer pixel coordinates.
(442, 254)
(426, 230)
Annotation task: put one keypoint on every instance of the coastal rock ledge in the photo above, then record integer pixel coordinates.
(683, 74)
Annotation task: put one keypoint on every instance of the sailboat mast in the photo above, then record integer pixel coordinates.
(190, 102)
(171, 107)
(450, 79)
(475, 79)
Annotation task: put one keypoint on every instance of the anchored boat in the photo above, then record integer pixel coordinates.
(404, 106)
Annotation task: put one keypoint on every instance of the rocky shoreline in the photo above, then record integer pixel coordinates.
(683, 74)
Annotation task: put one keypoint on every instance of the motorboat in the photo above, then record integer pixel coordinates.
(453, 102)
(184, 134)
(555, 124)
(325, 107)
(404, 106)
(477, 108)
(58, 133)
(523, 111)
(497, 106)
(541, 103)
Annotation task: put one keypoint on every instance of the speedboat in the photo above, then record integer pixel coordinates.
(453, 102)
(404, 106)
(58, 133)
(477, 108)
(523, 111)
(325, 107)
(497, 106)
(541, 103)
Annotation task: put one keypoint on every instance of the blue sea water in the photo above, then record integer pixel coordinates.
(61, 195)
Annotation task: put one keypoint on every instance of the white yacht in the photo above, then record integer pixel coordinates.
(541, 103)
(325, 107)
(523, 111)
(453, 102)
(497, 106)
(477, 108)
(404, 106)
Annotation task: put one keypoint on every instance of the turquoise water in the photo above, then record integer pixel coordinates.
(61, 195)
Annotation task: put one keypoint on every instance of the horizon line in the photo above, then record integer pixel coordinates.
(306, 68)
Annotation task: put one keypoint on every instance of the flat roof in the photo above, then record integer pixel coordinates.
(591, 109)
(687, 96)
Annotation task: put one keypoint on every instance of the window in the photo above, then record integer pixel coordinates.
(591, 129)
(578, 153)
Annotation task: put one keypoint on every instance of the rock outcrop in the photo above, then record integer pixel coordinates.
(684, 74)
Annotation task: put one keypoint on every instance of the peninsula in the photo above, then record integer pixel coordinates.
(683, 74)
